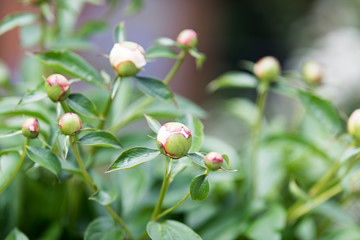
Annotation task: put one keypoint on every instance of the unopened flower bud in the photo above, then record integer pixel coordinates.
(57, 87)
(354, 124)
(213, 161)
(70, 124)
(174, 139)
(30, 128)
(187, 37)
(312, 72)
(127, 58)
(267, 69)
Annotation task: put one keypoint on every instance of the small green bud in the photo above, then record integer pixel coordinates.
(213, 161)
(312, 72)
(57, 87)
(267, 69)
(174, 139)
(187, 37)
(70, 124)
(30, 128)
(354, 124)
(127, 58)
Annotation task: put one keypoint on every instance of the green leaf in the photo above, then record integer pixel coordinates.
(160, 109)
(154, 88)
(133, 157)
(16, 20)
(119, 33)
(199, 187)
(10, 134)
(9, 162)
(297, 192)
(45, 158)
(243, 109)
(233, 80)
(153, 123)
(134, 6)
(170, 229)
(67, 62)
(197, 130)
(103, 228)
(100, 138)
(104, 197)
(200, 57)
(160, 52)
(16, 234)
(197, 158)
(226, 159)
(47, 12)
(323, 111)
(298, 141)
(31, 97)
(82, 105)
(166, 42)
(268, 226)
(91, 27)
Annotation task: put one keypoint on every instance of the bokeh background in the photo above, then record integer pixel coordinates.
(229, 31)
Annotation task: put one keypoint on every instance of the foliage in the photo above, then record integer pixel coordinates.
(103, 182)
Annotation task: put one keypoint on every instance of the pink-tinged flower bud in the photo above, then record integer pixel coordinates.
(213, 161)
(312, 72)
(354, 124)
(30, 128)
(187, 37)
(127, 58)
(267, 69)
(70, 124)
(57, 87)
(174, 139)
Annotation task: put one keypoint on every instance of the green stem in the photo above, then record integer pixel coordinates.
(43, 31)
(65, 106)
(164, 187)
(325, 179)
(132, 116)
(167, 211)
(105, 113)
(176, 67)
(149, 100)
(118, 219)
(93, 187)
(21, 161)
(308, 206)
(261, 100)
(86, 175)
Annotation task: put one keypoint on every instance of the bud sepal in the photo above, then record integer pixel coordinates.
(31, 128)
(267, 69)
(174, 140)
(213, 161)
(57, 87)
(127, 58)
(312, 73)
(188, 38)
(70, 124)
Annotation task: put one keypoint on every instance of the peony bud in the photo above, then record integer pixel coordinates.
(70, 124)
(187, 37)
(267, 69)
(174, 139)
(312, 72)
(127, 58)
(213, 161)
(354, 124)
(57, 87)
(30, 128)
